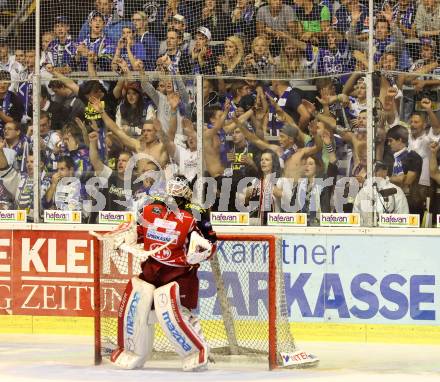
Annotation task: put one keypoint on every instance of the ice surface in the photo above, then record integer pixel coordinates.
(70, 359)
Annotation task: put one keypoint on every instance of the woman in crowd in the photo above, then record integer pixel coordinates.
(309, 193)
(133, 110)
(292, 60)
(231, 63)
(260, 58)
(263, 188)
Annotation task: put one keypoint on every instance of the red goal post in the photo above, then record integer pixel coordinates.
(271, 241)
(242, 304)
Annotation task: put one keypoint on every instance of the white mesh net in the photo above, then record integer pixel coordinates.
(320, 48)
(304, 38)
(233, 309)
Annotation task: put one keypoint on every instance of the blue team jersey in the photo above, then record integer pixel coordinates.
(102, 47)
(62, 53)
(335, 61)
(405, 16)
(404, 60)
(138, 52)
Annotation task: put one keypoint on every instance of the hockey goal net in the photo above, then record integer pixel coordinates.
(242, 304)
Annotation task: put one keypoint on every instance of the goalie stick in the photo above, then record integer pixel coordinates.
(121, 232)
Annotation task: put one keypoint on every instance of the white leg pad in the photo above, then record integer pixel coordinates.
(181, 327)
(135, 335)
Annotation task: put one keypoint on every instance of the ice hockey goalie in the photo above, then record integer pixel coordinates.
(167, 289)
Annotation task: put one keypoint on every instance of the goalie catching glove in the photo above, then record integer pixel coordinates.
(199, 249)
(124, 233)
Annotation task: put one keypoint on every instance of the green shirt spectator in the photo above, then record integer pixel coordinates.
(312, 17)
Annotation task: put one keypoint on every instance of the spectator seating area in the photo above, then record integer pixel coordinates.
(284, 121)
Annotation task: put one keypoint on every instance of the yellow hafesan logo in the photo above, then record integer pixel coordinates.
(76, 217)
(414, 220)
(300, 218)
(128, 217)
(243, 218)
(353, 219)
(21, 216)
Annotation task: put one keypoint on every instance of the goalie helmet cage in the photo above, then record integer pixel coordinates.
(242, 302)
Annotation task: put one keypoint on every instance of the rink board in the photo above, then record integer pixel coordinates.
(364, 285)
(405, 334)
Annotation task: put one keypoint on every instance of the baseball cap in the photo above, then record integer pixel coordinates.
(179, 18)
(205, 32)
(61, 20)
(94, 14)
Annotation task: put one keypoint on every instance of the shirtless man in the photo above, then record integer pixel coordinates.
(214, 137)
(148, 143)
(289, 150)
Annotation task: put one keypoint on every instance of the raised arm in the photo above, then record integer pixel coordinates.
(349, 85)
(231, 125)
(184, 95)
(399, 44)
(130, 54)
(251, 137)
(352, 37)
(325, 118)
(131, 143)
(287, 118)
(328, 144)
(94, 154)
(435, 123)
(71, 84)
(168, 139)
(117, 90)
(433, 163)
(91, 69)
(83, 129)
(147, 87)
(219, 124)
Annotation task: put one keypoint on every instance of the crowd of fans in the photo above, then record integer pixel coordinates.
(284, 104)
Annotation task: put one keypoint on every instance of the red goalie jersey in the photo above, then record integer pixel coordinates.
(163, 226)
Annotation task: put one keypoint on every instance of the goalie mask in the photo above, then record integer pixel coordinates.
(179, 187)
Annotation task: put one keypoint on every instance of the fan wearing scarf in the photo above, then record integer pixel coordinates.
(262, 188)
